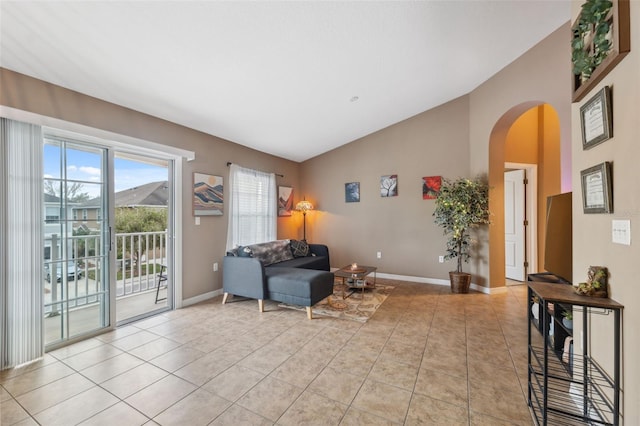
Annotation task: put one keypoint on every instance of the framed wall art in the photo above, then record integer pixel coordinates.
(596, 119)
(431, 187)
(597, 189)
(285, 200)
(389, 186)
(352, 192)
(208, 195)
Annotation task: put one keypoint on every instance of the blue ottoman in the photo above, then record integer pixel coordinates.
(295, 286)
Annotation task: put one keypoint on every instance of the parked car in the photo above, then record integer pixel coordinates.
(73, 271)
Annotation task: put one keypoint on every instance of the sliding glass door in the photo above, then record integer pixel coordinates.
(76, 239)
(142, 246)
(108, 251)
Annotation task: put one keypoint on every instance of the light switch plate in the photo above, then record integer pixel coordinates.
(621, 232)
(197, 220)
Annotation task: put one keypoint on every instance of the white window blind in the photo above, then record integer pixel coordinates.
(252, 207)
(21, 243)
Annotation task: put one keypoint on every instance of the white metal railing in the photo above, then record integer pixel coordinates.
(73, 274)
(140, 257)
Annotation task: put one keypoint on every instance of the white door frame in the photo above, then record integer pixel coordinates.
(531, 212)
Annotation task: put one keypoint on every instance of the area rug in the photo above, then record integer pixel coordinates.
(357, 307)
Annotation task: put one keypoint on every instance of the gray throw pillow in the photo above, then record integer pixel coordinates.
(299, 248)
(245, 251)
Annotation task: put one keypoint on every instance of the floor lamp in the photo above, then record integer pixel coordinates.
(304, 206)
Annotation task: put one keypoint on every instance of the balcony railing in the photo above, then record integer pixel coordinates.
(140, 258)
(73, 274)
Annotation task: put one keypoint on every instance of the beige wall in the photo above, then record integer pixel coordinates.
(592, 232)
(203, 244)
(521, 145)
(430, 144)
(452, 140)
(541, 76)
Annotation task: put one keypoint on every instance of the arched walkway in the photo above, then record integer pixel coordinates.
(548, 160)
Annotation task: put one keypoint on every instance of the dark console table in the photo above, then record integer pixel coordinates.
(566, 388)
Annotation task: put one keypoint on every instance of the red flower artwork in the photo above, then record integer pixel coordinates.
(431, 187)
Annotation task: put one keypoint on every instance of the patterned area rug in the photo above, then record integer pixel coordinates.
(357, 307)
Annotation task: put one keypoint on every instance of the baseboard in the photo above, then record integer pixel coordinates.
(436, 281)
(201, 298)
(422, 280)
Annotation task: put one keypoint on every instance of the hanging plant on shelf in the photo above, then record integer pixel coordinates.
(592, 36)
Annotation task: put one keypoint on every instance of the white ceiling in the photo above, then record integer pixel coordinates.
(275, 76)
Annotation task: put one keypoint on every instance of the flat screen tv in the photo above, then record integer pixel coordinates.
(558, 252)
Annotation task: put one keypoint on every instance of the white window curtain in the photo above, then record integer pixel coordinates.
(21, 243)
(252, 207)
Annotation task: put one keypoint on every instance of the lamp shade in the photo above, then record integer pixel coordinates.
(304, 206)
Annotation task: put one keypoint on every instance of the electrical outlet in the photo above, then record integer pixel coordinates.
(379, 255)
(441, 259)
(215, 267)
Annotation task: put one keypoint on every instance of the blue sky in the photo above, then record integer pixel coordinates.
(86, 166)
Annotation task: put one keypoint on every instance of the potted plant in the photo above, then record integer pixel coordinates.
(567, 321)
(596, 285)
(461, 205)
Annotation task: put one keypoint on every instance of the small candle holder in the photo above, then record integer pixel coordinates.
(354, 266)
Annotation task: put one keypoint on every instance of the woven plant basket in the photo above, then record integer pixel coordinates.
(460, 282)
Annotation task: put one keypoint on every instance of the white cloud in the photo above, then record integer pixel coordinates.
(93, 171)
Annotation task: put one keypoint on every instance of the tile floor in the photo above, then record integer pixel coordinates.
(425, 357)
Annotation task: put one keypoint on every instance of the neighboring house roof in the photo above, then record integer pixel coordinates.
(53, 199)
(48, 198)
(150, 194)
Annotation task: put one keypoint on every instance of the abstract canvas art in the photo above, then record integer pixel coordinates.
(431, 187)
(389, 186)
(352, 192)
(208, 195)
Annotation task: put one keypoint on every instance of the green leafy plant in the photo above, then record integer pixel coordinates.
(461, 205)
(137, 220)
(596, 284)
(568, 315)
(591, 41)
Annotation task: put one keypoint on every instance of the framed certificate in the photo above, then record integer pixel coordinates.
(597, 189)
(596, 119)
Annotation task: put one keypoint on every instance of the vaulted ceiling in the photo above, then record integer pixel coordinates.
(293, 79)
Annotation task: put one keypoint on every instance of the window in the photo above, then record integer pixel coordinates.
(75, 214)
(252, 207)
(84, 214)
(52, 215)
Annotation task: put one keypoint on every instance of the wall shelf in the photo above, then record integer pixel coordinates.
(565, 388)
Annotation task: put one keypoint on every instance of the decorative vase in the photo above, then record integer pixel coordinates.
(535, 310)
(460, 282)
(567, 323)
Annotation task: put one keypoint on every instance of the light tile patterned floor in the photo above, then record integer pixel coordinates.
(425, 357)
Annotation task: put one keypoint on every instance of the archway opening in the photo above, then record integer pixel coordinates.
(527, 133)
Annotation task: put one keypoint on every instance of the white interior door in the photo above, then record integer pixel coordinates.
(514, 224)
